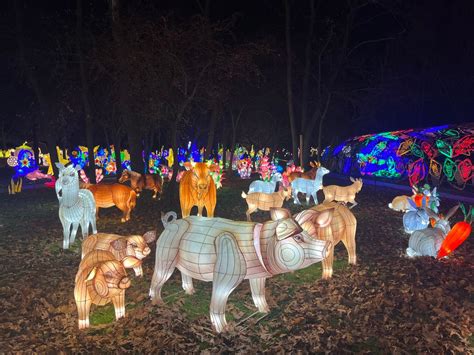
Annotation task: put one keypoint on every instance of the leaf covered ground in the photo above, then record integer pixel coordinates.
(386, 304)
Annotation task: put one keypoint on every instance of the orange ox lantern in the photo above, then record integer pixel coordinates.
(197, 188)
(455, 238)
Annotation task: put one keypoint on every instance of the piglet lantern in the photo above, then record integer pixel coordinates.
(134, 247)
(100, 279)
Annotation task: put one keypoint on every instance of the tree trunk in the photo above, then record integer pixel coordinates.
(212, 129)
(85, 95)
(118, 158)
(307, 71)
(132, 131)
(321, 124)
(289, 83)
(51, 141)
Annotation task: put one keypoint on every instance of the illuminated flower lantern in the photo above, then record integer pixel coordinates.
(76, 206)
(290, 168)
(125, 159)
(428, 241)
(79, 156)
(100, 279)
(227, 252)
(265, 168)
(244, 168)
(216, 172)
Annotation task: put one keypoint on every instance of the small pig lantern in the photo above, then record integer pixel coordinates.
(227, 252)
(134, 247)
(100, 279)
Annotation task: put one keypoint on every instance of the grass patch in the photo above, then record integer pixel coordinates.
(102, 315)
(371, 345)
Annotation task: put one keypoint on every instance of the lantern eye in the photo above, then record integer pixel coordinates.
(71, 174)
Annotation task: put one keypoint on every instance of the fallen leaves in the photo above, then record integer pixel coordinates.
(387, 303)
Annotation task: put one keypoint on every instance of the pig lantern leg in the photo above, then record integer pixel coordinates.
(257, 286)
(138, 270)
(187, 282)
(328, 262)
(229, 271)
(350, 245)
(167, 248)
(119, 305)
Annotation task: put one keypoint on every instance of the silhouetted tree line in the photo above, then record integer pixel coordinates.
(135, 75)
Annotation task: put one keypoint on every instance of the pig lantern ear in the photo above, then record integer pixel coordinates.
(130, 261)
(149, 237)
(91, 274)
(286, 228)
(324, 218)
(119, 244)
(279, 213)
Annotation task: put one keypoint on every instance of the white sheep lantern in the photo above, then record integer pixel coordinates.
(226, 252)
(308, 187)
(76, 206)
(344, 194)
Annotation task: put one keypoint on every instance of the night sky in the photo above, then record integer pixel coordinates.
(409, 62)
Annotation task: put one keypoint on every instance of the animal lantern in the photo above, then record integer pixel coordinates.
(427, 242)
(342, 228)
(109, 195)
(76, 206)
(101, 279)
(267, 187)
(344, 194)
(416, 218)
(308, 187)
(310, 174)
(227, 252)
(264, 202)
(134, 247)
(400, 203)
(197, 188)
(139, 182)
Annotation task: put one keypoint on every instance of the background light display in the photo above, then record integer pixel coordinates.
(436, 155)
